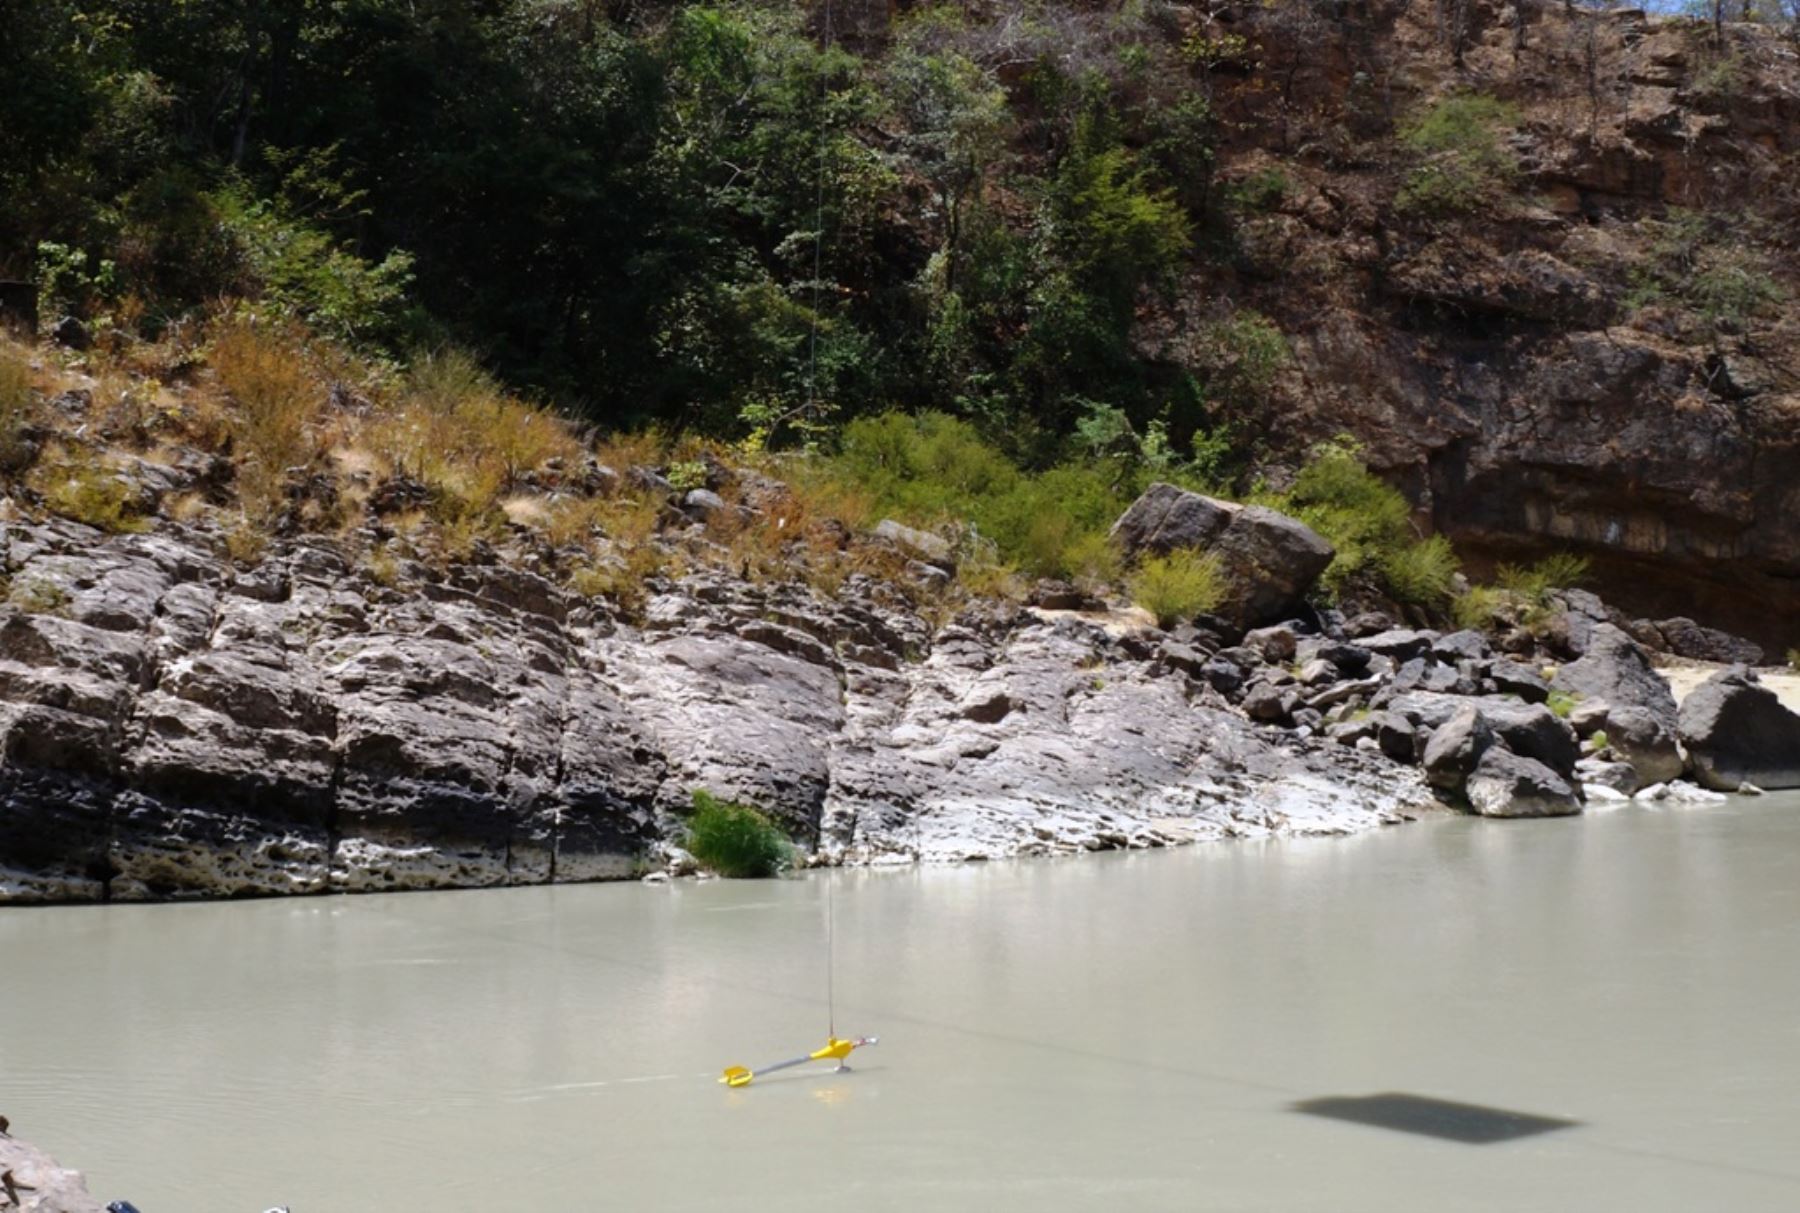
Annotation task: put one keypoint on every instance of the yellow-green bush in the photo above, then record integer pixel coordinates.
(1368, 521)
(76, 484)
(1420, 572)
(933, 468)
(1178, 586)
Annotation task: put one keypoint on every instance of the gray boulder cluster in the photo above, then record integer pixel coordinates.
(1513, 734)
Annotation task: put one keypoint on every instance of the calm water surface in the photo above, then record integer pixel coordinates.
(1127, 1032)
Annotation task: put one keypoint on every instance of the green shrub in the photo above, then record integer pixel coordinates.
(1368, 521)
(1477, 607)
(1239, 358)
(1710, 265)
(1262, 190)
(1178, 586)
(1463, 160)
(734, 839)
(1561, 703)
(1534, 584)
(1421, 572)
(304, 272)
(934, 469)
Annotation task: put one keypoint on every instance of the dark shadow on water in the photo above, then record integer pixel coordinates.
(1472, 1124)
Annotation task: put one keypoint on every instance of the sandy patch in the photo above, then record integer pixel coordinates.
(1684, 676)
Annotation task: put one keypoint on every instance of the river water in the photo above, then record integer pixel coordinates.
(1127, 1032)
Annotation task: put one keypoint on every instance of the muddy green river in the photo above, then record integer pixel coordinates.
(1592, 1013)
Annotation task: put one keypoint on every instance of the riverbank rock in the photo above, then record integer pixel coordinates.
(1504, 784)
(1269, 559)
(38, 1184)
(1455, 747)
(1617, 670)
(1736, 731)
(174, 726)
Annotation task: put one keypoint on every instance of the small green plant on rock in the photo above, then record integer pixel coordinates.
(78, 485)
(1178, 586)
(1463, 159)
(1561, 703)
(687, 474)
(734, 839)
(38, 596)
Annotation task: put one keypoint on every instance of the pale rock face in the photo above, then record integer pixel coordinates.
(176, 728)
(41, 1184)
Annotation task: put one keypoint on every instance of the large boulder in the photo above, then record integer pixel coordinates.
(1617, 669)
(1269, 559)
(1736, 731)
(1689, 639)
(1529, 729)
(1455, 748)
(1644, 740)
(925, 544)
(1505, 785)
(1532, 730)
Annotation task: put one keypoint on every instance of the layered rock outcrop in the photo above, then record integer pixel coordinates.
(1596, 354)
(174, 726)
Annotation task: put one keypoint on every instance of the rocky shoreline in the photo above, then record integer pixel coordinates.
(175, 726)
(33, 1182)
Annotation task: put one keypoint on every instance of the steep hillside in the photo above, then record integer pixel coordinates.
(1539, 261)
(1598, 347)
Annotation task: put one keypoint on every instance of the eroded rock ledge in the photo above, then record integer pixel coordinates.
(175, 727)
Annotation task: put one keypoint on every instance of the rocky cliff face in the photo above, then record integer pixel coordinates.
(1603, 353)
(173, 726)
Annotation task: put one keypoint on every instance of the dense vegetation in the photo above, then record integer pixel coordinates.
(970, 263)
(617, 206)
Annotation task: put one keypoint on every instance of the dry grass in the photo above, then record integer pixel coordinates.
(185, 507)
(382, 566)
(246, 544)
(621, 577)
(16, 407)
(458, 434)
(624, 451)
(279, 403)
